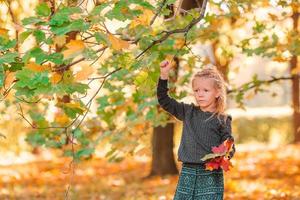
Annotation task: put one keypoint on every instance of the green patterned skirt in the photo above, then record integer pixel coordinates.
(196, 183)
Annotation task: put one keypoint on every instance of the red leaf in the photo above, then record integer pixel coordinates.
(219, 149)
(228, 143)
(225, 164)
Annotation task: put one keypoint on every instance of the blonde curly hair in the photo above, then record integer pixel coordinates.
(211, 71)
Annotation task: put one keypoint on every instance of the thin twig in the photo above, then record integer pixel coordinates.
(159, 10)
(180, 30)
(65, 67)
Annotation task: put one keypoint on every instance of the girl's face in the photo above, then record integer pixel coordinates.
(205, 93)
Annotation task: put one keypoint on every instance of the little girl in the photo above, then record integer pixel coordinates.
(205, 125)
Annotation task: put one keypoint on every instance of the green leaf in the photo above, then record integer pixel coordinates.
(31, 20)
(118, 13)
(53, 144)
(56, 58)
(101, 38)
(63, 88)
(62, 15)
(39, 36)
(6, 44)
(84, 152)
(43, 10)
(103, 102)
(36, 53)
(38, 118)
(30, 83)
(16, 66)
(97, 10)
(72, 111)
(89, 54)
(2, 74)
(81, 137)
(76, 25)
(24, 35)
(35, 139)
(8, 57)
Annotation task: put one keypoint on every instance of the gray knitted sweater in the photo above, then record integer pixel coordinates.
(200, 131)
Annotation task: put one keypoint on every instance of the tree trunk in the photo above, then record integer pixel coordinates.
(295, 88)
(162, 151)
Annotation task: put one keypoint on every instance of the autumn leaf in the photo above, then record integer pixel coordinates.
(36, 67)
(219, 149)
(179, 43)
(280, 59)
(74, 48)
(217, 163)
(4, 33)
(9, 79)
(61, 118)
(219, 156)
(116, 43)
(75, 105)
(84, 73)
(59, 40)
(55, 78)
(143, 19)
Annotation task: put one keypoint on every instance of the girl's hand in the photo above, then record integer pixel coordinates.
(165, 67)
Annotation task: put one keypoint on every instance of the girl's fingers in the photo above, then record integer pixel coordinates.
(164, 63)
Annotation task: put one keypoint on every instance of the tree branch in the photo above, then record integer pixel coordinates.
(180, 30)
(65, 67)
(261, 82)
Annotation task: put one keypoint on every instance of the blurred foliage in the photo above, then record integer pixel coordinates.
(277, 130)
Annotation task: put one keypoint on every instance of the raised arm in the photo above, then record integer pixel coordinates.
(169, 104)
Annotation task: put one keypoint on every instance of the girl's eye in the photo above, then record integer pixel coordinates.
(206, 90)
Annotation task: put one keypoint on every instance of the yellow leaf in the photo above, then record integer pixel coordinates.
(9, 79)
(117, 43)
(170, 58)
(55, 78)
(143, 19)
(75, 105)
(60, 40)
(4, 32)
(61, 118)
(75, 47)
(36, 67)
(124, 10)
(280, 59)
(179, 43)
(84, 73)
(68, 76)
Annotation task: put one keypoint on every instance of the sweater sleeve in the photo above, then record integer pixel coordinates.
(169, 104)
(227, 134)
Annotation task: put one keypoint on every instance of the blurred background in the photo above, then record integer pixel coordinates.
(126, 146)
